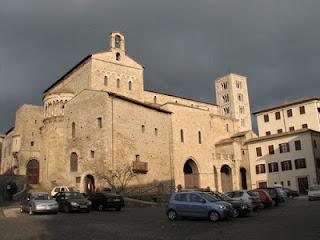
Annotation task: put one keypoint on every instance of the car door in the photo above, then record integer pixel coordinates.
(59, 198)
(181, 204)
(197, 206)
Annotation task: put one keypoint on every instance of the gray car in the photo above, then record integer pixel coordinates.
(198, 204)
(38, 202)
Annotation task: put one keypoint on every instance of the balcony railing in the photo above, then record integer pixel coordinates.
(140, 167)
(223, 156)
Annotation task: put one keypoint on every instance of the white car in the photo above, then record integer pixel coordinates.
(314, 192)
(57, 189)
(242, 196)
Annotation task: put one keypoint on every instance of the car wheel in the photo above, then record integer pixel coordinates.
(118, 209)
(100, 208)
(66, 209)
(172, 215)
(30, 211)
(310, 199)
(21, 209)
(214, 216)
(235, 213)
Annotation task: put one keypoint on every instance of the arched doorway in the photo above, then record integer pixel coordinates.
(243, 174)
(33, 172)
(89, 185)
(215, 174)
(226, 178)
(191, 174)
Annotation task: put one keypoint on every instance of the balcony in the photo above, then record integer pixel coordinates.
(222, 156)
(139, 167)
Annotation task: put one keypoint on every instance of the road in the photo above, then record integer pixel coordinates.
(296, 219)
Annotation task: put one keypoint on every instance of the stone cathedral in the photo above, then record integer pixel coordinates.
(98, 118)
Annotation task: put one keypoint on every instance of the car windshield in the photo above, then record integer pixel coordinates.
(315, 188)
(223, 196)
(73, 195)
(209, 198)
(42, 196)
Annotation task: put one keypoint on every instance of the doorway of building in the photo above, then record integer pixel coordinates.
(243, 174)
(303, 185)
(33, 172)
(89, 184)
(191, 174)
(226, 178)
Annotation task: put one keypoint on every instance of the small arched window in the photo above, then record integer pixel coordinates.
(155, 99)
(73, 162)
(117, 41)
(105, 82)
(130, 85)
(73, 130)
(143, 128)
(118, 83)
(118, 57)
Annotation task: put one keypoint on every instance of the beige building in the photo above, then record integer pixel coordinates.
(287, 149)
(98, 118)
(303, 113)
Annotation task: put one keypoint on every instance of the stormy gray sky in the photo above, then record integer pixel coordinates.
(184, 45)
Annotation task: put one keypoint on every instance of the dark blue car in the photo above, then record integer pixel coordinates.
(198, 204)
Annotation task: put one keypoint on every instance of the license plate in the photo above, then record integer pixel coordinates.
(83, 206)
(116, 200)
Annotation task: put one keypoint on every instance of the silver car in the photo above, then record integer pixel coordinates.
(38, 202)
(314, 192)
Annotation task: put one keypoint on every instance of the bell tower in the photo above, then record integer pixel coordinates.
(117, 42)
(232, 96)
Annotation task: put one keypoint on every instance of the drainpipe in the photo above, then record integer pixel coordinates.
(112, 135)
(284, 121)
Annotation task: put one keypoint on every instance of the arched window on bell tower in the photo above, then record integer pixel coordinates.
(117, 41)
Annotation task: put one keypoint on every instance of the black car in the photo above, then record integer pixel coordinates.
(106, 200)
(72, 201)
(291, 193)
(274, 194)
(239, 208)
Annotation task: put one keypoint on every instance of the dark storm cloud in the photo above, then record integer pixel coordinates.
(184, 45)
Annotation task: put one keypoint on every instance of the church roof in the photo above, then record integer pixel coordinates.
(138, 102)
(69, 72)
(190, 99)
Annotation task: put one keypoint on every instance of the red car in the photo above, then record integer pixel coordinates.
(264, 197)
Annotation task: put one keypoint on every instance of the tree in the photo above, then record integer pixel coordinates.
(119, 178)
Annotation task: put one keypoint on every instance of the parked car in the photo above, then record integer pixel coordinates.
(37, 202)
(291, 193)
(72, 201)
(314, 192)
(198, 204)
(265, 198)
(239, 208)
(106, 200)
(57, 189)
(274, 194)
(247, 197)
